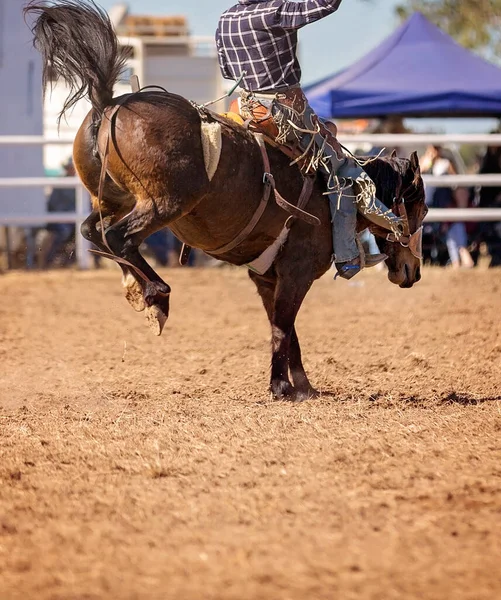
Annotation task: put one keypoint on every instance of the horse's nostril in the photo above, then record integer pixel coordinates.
(418, 274)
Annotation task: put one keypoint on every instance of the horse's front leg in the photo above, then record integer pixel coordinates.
(282, 300)
(302, 385)
(280, 385)
(124, 239)
(286, 304)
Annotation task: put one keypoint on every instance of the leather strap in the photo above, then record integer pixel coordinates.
(109, 124)
(267, 179)
(296, 211)
(413, 241)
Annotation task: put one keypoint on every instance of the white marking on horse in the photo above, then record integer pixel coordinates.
(133, 292)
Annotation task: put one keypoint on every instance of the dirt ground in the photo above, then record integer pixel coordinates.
(135, 467)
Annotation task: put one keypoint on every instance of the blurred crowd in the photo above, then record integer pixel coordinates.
(455, 243)
(53, 246)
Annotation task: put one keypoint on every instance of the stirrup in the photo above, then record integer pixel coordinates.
(348, 271)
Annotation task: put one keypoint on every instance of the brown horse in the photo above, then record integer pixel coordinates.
(154, 176)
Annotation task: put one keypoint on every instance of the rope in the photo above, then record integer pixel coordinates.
(228, 94)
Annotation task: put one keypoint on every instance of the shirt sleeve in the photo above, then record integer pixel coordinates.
(294, 15)
(221, 57)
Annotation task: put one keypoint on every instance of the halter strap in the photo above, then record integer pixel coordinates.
(413, 241)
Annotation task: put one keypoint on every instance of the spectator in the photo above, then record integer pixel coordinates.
(490, 197)
(59, 234)
(159, 244)
(436, 161)
(370, 246)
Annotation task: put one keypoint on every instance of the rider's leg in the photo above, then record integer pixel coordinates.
(364, 191)
(346, 167)
(293, 116)
(344, 223)
(346, 250)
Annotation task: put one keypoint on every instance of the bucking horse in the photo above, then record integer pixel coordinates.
(141, 157)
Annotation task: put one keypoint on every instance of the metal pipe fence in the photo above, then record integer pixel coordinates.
(83, 201)
(421, 139)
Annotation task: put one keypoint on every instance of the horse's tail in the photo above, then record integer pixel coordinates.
(79, 45)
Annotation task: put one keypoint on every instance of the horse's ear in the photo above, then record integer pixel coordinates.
(393, 154)
(415, 163)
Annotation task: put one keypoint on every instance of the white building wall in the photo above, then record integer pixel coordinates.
(193, 77)
(21, 110)
(189, 75)
(56, 156)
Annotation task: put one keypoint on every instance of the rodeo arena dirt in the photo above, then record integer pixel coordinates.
(142, 467)
(138, 467)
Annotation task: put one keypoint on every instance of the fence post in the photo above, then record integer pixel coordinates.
(82, 246)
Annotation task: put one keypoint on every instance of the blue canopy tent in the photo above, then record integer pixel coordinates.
(419, 71)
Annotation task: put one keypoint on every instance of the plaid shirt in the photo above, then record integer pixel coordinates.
(260, 38)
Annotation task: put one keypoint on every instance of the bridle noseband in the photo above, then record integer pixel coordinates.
(413, 241)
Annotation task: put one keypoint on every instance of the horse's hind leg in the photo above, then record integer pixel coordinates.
(124, 239)
(280, 385)
(91, 230)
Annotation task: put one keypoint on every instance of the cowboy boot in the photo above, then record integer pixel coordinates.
(350, 268)
(346, 243)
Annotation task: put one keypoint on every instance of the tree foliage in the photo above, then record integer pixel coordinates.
(476, 24)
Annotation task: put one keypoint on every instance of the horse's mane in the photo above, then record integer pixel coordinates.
(388, 172)
(386, 167)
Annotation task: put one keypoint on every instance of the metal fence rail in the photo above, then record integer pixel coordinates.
(375, 139)
(422, 139)
(83, 202)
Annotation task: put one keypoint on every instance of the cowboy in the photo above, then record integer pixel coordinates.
(257, 44)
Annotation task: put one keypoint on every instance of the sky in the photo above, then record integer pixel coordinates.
(325, 46)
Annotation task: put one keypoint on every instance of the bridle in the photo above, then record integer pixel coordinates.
(413, 241)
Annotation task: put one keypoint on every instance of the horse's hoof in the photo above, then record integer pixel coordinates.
(155, 319)
(133, 293)
(303, 395)
(281, 390)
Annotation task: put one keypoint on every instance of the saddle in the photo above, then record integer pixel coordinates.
(261, 121)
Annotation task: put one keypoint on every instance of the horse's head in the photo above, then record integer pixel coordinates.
(400, 187)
